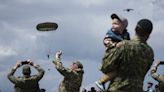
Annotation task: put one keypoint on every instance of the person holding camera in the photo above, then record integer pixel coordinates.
(158, 77)
(27, 82)
(73, 76)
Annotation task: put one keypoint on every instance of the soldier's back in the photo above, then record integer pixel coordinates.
(29, 84)
(136, 60)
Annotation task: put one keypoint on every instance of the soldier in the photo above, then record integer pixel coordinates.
(26, 83)
(131, 59)
(72, 76)
(156, 76)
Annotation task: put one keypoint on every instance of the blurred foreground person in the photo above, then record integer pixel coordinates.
(26, 83)
(158, 77)
(73, 76)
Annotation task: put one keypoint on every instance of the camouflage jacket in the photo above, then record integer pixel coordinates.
(72, 79)
(26, 83)
(131, 60)
(159, 78)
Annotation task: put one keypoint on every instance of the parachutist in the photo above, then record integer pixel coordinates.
(128, 9)
(47, 26)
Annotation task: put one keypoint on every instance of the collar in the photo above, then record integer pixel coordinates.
(139, 39)
(26, 76)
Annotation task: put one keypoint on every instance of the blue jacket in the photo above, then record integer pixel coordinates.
(116, 37)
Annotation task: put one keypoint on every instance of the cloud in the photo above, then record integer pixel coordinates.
(7, 51)
(82, 26)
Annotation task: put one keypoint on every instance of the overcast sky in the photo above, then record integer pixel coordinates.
(82, 26)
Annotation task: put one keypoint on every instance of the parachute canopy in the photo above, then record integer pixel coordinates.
(128, 9)
(47, 26)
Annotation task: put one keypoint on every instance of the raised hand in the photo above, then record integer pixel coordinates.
(58, 54)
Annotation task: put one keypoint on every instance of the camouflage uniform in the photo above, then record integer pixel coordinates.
(72, 79)
(132, 59)
(26, 83)
(159, 78)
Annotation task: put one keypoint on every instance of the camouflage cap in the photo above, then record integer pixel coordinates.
(78, 64)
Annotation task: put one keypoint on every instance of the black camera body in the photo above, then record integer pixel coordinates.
(24, 62)
(161, 63)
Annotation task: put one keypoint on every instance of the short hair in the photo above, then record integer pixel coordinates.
(26, 70)
(144, 27)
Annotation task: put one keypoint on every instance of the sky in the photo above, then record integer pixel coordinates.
(82, 26)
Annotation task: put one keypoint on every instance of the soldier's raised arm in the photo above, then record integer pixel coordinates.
(11, 76)
(39, 69)
(154, 74)
(59, 66)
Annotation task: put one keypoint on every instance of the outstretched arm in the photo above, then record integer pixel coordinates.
(154, 74)
(59, 66)
(39, 69)
(11, 76)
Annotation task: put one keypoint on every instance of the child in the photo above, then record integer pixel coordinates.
(117, 33)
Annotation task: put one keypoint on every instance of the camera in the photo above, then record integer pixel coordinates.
(24, 62)
(161, 62)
